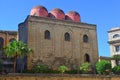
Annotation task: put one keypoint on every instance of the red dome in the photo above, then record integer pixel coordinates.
(39, 11)
(73, 15)
(57, 13)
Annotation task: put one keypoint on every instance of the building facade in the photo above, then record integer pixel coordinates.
(5, 38)
(114, 42)
(58, 39)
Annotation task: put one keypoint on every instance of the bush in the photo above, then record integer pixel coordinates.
(40, 68)
(116, 70)
(103, 67)
(29, 71)
(54, 71)
(72, 71)
(85, 68)
(62, 69)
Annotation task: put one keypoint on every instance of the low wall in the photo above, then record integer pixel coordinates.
(57, 77)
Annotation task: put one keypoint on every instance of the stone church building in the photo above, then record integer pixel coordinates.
(58, 38)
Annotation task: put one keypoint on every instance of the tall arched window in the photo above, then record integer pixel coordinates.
(12, 39)
(67, 36)
(85, 38)
(1, 43)
(87, 58)
(47, 34)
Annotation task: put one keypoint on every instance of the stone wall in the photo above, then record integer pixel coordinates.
(57, 77)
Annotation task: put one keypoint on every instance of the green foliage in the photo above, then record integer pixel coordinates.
(29, 71)
(53, 71)
(16, 48)
(85, 68)
(72, 71)
(62, 69)
(40, 68)
(103, 67)
(116, 70)
(116, 57)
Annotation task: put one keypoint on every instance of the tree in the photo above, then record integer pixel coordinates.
(103, 67)
(16, 49)
(85, 67)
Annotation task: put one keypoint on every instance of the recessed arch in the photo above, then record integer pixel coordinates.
(12, 39)
(1, 43)
(85, 38)
(116, 36)
(87, 57)
(47, 34)
(67, 36)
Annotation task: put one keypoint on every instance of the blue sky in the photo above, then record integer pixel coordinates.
(104, 13)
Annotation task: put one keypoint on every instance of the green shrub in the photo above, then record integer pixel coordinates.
(55, 71)
(29, 71)
(40, 68)
(72, 71)
(116, 70)
(103, 67)
(62, 69)
(85, 68)
(115, 57)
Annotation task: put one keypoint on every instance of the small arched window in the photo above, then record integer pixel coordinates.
(1, 43)
(47, 34)
(87, 58)
(67, 36)
(116, 36)
(85, 38)
(12, 39)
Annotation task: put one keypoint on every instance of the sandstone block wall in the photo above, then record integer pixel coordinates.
(57, 77)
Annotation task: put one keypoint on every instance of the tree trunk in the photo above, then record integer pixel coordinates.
(15, 59)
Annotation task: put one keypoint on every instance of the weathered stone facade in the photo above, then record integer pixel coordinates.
(56, 50)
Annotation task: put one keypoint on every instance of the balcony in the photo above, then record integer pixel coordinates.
(116, 53)
(114, 40)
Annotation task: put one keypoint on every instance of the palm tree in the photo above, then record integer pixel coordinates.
(16, 49)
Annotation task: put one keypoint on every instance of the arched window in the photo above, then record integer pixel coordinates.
(116, 36)
(12, 39)
(1, 43)
(67, 36)
(85, 38)
(117, 48)
(87, 58)
(47, 34)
